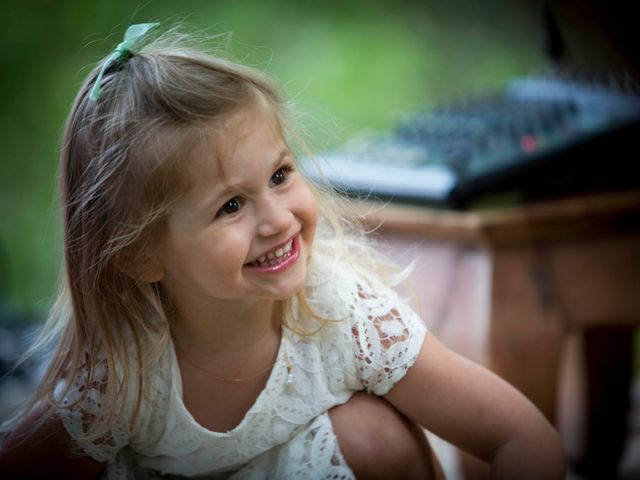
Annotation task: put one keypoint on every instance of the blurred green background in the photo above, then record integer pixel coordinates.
(350, 65)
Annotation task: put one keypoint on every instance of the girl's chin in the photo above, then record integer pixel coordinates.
(287, 289)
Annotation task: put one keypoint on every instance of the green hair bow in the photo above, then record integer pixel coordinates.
(121, 53)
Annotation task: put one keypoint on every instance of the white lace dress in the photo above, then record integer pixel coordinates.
(286, 434)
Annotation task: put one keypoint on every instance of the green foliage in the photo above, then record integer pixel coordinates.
(349, 64)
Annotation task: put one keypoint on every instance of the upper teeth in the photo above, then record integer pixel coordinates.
(276, 253)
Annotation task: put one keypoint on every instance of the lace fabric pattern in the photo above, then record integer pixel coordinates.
(77, 411)
(287, 433)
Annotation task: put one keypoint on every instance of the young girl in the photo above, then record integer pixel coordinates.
(216, 320)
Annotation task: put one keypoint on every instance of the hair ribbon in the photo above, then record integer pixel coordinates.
(121, 53)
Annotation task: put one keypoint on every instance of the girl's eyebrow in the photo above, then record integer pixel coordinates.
(231, 189)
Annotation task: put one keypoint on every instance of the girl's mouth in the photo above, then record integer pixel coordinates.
(278, 259)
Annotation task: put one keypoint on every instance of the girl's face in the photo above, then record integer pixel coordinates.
(244, 230)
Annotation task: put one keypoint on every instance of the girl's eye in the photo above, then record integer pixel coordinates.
(231, 207)
(280, 176)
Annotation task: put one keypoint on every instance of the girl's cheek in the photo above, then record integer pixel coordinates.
(305, 204)
(312, 206)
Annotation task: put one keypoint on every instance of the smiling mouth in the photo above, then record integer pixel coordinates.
(276, 257)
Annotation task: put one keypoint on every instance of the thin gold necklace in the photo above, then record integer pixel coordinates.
(290, 380)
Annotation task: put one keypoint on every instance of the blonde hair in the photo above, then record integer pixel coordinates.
(122, 164)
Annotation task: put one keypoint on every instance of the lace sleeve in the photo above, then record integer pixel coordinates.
(387, 335)
(80, 413)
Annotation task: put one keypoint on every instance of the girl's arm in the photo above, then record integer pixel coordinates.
(474, 409)
(43, 450)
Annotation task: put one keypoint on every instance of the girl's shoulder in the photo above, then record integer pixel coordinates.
(340, 282)
(359, 294)
(101, 419)
(383, 332)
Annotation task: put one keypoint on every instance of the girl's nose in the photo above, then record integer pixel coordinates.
(274, 217)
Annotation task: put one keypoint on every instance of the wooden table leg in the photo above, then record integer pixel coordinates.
(608, 354)
(527, 327)
(526, 333)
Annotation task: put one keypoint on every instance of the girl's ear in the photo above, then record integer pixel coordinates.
(143, 267)
(150, 270)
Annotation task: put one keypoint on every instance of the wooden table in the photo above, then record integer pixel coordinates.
(506, 287)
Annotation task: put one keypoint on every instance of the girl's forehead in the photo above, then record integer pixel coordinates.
(248, 136)
(243, 124)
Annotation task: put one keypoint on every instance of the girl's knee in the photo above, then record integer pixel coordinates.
(377, 441)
